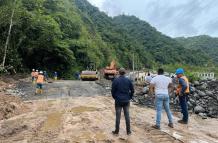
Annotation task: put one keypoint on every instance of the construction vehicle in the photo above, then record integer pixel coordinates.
(110, 72)
(90, 74)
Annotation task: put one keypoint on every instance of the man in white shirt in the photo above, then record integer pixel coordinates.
(160, 85)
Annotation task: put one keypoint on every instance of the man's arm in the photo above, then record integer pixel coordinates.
(151, 89)
(113, 90)
(171, 86)
(184, 85)
(131, 89)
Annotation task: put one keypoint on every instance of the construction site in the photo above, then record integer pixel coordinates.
(108, 71)
(83, 112)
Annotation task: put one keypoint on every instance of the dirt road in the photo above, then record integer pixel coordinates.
(85, 116)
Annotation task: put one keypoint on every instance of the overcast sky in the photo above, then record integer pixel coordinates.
(174, 18)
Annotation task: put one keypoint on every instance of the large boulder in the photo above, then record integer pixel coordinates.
(196, 83)
(203, 115)
(201, 93)
(203, 86)
(209, 93)
(198, 109)
(196, 96)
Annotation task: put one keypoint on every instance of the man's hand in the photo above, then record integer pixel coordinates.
(151, 90)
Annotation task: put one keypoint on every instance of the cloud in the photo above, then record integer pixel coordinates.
(171, 17)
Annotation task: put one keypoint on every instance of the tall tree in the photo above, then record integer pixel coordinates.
(9, 34)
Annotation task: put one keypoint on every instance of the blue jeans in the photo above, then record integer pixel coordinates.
(184, 107)
(39, 86)
(160, 100)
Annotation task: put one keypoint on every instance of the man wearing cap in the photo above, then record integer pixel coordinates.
(122, 91)
(183, 91)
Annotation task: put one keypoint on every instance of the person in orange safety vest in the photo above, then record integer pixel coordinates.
(183, 92)
(40, 80)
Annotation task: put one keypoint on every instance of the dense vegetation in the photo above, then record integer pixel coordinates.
(204, 43)
(66, 35)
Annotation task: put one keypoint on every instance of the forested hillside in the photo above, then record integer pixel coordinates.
(206, 44)
(66, 35)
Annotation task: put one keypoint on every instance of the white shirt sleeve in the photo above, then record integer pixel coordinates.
(153, 81)
(170, 80)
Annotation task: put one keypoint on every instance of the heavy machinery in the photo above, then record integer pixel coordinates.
(110, 72)
(91, 74)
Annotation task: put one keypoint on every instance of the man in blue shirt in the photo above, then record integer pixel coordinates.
(122, 92)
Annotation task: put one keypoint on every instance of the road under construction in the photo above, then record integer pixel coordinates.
(83, 111)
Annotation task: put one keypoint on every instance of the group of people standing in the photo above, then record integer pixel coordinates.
(159, 87)
(39, 78)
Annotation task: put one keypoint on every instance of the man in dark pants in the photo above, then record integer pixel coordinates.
(122, 91)
(183, 92)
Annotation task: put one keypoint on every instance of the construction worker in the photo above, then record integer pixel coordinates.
(183, 92)
(36, 74)
(33, 76)
(55, 75)
(45, 75)
(39, 81)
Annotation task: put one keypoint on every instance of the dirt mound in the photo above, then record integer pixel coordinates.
(11, 106)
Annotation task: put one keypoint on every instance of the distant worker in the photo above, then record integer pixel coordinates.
(183, 92)
(122, 92)
(36, 74)
(33, 76)
(45, 75)
(148, 78)
(77, 75)
(160, 86)
(40, 80)
(55, 76)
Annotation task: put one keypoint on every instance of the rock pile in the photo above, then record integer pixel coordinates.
(204, 99)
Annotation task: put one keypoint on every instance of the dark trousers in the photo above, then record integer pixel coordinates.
(184, 106)
(118, 108)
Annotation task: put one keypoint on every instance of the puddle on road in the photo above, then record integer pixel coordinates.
(100, 136)
(52, 122)
(81, 109)
(86, 136)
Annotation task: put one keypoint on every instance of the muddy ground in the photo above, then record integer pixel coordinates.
(83, 112)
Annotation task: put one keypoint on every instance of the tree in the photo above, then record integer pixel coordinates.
(9, 34)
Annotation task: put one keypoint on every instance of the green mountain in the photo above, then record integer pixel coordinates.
(66, 35)
(204, 43)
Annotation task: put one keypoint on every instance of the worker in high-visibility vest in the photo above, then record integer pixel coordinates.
(33, 76)
(55, 76)
(36, 74)
(40, 80)
(183, 92)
